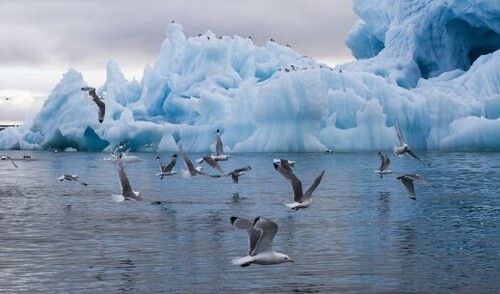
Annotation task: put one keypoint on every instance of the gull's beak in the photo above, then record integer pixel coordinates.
(291, 260)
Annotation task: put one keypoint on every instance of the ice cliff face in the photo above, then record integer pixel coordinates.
(409, 40)
(432, 66)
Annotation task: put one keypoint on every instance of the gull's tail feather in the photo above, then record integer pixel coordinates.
(290, 205)
(185, 174)
(117, 198)
(242, 261)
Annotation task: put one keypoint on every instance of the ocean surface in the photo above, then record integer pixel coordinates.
(362, 233)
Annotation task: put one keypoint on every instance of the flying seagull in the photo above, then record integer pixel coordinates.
(260, 239)
(384, 164)
(189, 164)
(404, 148)
(301, 199)
(98, 101)
(235, 174)
(166, 170)
(212, 162)
(407, 180)
(70, 178)
(127, 193)
(4, 157)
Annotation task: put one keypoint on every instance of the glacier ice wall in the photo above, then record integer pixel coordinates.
(430, 66)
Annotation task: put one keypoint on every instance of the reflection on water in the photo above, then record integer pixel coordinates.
(361, 235)
(405, 236)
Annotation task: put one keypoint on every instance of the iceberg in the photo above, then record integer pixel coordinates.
(430, 66)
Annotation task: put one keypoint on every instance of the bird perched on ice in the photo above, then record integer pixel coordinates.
(5, 157)
(219, 148)
(407, 181)
(404, 148)
(98, 101)
(260, 240)
(301, 199)
(384, 164)
(218, 155)
(166, 169)
(70, 178)
(235, 174)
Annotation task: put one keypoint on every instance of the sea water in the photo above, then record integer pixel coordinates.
(362, 234)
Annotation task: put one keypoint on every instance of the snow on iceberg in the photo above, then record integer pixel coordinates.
(430, 66)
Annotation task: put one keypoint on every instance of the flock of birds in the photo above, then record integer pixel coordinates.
(261, 231)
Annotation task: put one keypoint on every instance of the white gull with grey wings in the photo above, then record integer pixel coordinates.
(260, 240)
(301, 199)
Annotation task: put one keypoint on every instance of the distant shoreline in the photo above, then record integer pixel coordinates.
(6, 125)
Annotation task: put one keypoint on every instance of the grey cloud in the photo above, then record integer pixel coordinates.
(79, 33)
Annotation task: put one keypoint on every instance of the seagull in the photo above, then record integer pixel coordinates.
(166, 170)
(97, 100)
(260, 238)
(235, 174)
(219, 148)
(71, 178)
(4, 157)
(189, 165)
(301, 199)
(407, 180)
(217, 156)
(404, 148)
(127, 193)
(384, 164)
(212, 162)
(290, 162)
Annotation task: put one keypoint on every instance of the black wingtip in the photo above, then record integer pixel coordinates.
(233, 219)
(175, 155)
(256, 220)
(101, 120)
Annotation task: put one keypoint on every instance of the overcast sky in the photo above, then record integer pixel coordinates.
(42, 39)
